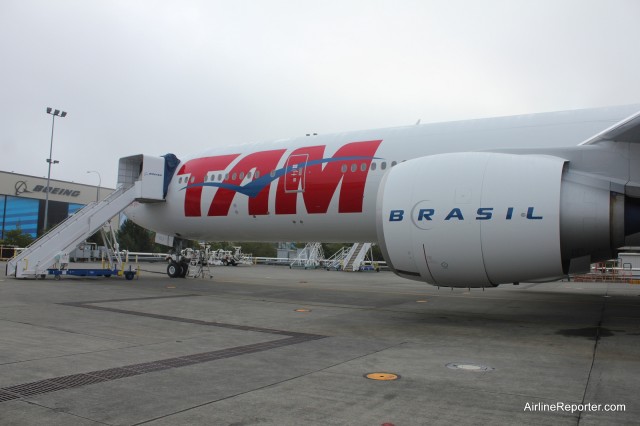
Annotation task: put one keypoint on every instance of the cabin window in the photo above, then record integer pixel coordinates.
(344, 168)
(226, 176)
(249, 175)
(363, 167)
(257, 175)
(220, 177)
(393, 163)
(241, 175)
(193, 179)
(383, 165)
(373, 165)
(354, 167)
(234, 176)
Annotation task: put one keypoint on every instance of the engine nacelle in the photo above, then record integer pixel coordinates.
(481, 219)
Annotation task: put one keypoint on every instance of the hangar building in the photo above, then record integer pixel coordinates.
(22, 201)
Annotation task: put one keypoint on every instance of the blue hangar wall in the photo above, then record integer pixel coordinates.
(22, 201)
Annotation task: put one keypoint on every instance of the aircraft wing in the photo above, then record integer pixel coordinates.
(627, 130)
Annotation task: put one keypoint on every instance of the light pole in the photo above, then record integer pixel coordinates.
(54, 114)
(99, 184)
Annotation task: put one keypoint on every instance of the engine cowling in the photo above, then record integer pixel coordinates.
(482, 219)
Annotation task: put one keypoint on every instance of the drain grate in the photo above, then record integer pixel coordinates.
(91, 377)
(205, 356)
(4, 396)
(148, 367)
(34, 388)
(114, 373)
(99, 376)
(178, 362)
(75, 380)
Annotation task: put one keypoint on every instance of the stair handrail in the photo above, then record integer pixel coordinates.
(337, 257)
(360, 256)
(352, 252)
(83, 211)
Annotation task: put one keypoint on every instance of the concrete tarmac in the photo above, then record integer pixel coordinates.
(266, 345)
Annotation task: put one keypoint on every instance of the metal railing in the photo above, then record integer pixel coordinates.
(8, 252)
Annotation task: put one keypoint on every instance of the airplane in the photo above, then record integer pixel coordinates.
(473, 203)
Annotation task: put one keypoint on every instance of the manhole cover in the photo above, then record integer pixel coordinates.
(468, 367)
(382, 376)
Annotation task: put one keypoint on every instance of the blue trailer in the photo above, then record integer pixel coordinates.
(57, 273)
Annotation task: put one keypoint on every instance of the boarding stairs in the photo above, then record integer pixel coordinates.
(135, 184)
(310, 257)
(356, 256)
(65, 237)
(336, 261)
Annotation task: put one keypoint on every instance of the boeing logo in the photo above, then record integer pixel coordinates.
(58, 191)
(483, 213)
(21, 187)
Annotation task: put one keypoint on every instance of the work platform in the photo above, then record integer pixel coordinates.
(276, 346)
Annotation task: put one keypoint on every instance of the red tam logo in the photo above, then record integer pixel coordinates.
(306, 171)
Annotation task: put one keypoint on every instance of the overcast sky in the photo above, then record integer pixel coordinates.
(182, 76)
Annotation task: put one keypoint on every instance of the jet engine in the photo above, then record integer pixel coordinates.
(478, 219)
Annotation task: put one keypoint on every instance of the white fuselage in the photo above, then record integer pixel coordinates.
(325, 188)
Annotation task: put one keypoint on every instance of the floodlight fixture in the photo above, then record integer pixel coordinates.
(50, 161)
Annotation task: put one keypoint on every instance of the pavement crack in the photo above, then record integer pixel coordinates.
(64, 330)
(270, 384)
(55, 410)
(595, 350)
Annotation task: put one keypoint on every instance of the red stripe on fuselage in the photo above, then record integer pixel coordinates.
(321, 183)
(198, 169)
(320, 180)
(263, 162)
